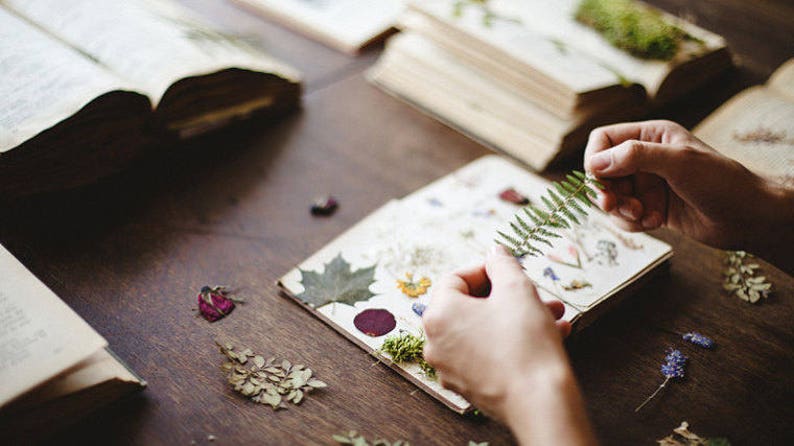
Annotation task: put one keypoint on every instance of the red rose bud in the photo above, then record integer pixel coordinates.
(513, 196)
(324, 206)
(214, 304)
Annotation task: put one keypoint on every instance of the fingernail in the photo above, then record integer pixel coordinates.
(600, 161)
(626, 212)
(498, 250)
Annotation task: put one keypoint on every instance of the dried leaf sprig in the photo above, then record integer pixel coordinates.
(406, 347)
(266, 382)
(682, 436)
(488, 15)
(673, 368)
(564, 201)
(740, 278)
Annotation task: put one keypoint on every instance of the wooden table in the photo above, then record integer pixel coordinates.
(232, 208)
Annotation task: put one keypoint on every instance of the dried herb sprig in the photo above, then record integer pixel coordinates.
(564, 201)
(354, 438)
(641, 31)
(266, 382)
(673, 368)
(406, 347)
(682, 436)
(488, 15)
(740, 278)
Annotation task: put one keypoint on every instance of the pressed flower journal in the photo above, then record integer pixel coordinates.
(373, 282)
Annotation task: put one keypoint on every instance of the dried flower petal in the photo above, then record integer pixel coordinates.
(419, 308)
(324, 206)
(698, 339)
(411, 288)
(375, 322)
(511, 195)
(548, 272)
(213, 303)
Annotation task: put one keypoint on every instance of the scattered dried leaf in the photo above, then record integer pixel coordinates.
(740, 278)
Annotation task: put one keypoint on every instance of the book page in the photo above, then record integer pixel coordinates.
(782, 80)
(756, 128)
(150, 43)
(410, 244)
(345, 24)
(40, 336)
(42, 82)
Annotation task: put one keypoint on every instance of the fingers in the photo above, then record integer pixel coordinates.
(506, 275)
(556, 307)
(477, 281)
(564, 327)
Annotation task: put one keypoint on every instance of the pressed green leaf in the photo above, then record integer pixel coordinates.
(338, 283)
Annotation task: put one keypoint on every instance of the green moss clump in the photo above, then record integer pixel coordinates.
(633, 27)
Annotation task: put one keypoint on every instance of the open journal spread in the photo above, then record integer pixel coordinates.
(390, 260)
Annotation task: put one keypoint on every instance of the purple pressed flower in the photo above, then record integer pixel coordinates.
(435, 202)
(673, 368)
(548, 272)
(419, 308)
(699, 340)
(375, 322)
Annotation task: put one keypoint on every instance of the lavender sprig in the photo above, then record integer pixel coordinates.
(673, 368)
(699, 340)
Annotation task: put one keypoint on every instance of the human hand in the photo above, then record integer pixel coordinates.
(659, 175)
(504, 353)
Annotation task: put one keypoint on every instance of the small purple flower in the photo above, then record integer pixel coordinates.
(419, 308)
(435, 202)
(548, 272)
(673, 368)
(675, 363)
(699, 340)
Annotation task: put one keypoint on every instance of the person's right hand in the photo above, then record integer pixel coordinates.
(659, 175)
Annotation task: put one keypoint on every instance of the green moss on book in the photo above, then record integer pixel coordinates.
(631, 26)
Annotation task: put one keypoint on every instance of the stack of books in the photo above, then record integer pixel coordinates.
(528, 78)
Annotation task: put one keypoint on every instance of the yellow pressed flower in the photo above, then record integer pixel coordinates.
(411, 288)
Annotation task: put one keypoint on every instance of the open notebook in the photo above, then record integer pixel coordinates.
(451, 224)
(54, 368)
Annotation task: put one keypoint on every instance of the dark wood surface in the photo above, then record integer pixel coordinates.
(232, 208)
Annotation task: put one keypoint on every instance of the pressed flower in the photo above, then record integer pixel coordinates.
(214, 303)
(511, 195)
(435, 202)
(419, 308)
(673, 368)
(698, 339)
(375, 322)
(548, 272)
(324, 206)
(577, 285)
(411, 288)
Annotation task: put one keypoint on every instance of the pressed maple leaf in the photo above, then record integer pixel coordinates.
(337, 284)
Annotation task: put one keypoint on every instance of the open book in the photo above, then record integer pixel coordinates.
(54, 367)
(525, 77)
(756, 127)
(347, 25)
(390, 260)
(85, 84)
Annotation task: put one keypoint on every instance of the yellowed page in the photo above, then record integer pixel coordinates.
(42, 81)
(782, 80)
(40, 336)
(345, 24)
(150, 43)
(756, 128)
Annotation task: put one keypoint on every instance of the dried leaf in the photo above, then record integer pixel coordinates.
(259, 361)
(337, 284)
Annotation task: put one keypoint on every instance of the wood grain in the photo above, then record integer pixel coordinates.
(232, 208)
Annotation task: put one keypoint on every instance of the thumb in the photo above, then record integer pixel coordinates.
(504, 271)
(632, 156)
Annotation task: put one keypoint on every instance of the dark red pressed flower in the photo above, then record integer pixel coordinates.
(214, 304)
(513, 196)
(324, 206)
(375, 322)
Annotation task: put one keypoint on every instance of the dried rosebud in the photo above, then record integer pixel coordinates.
(214, 304)
(513, 196)
(375, 322)
(324, 206)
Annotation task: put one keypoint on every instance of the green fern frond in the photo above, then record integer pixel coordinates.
(566, 202)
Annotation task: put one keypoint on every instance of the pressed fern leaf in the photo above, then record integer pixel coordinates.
(564, 204)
